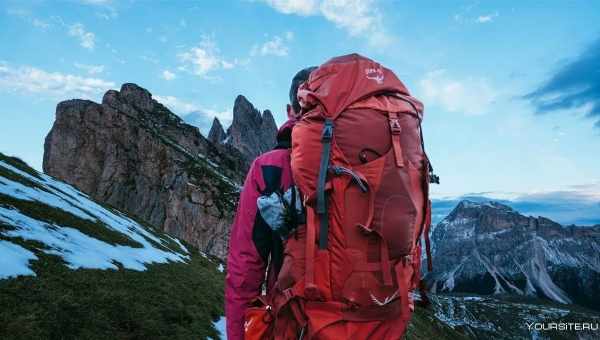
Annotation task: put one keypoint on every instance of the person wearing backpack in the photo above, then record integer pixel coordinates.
(359, 163)
(260, 224)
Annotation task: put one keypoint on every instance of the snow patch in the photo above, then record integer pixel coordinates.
(14, 260)
(80, 250)
(220, 325)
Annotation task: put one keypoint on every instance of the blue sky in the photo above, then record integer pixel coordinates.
(511, 88)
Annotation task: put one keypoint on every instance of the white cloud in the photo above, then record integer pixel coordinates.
(482, 19)
(357, 17)
(28, 17)
(276, 46)
(86, 39)
(150, 59)
(90, 69)
(96, 2)
(40, 23)
(31, 80)
(470, 95)
(193, 113)
(177, 105)
(105, 9)
(203, 59)
(168, 75)
(299, 7)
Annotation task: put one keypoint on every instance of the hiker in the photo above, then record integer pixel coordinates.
(359, 164)
(255, 244)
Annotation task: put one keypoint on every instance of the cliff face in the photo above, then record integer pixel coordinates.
(492, 249)
(131, 152)
(251, 132)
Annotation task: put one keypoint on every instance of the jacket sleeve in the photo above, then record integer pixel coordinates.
(246, 263)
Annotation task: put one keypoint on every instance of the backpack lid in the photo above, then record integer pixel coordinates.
(343, 80)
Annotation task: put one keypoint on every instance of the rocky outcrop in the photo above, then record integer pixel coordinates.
(132, 153)
(217, 133)
(251, 132)
(490, 248)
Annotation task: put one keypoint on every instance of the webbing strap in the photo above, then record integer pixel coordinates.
(326, 137)
(386, 268)
(427, 240)
(403, 288)
(309, 276)
(396, 129)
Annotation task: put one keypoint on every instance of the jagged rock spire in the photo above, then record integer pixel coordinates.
(217, 133)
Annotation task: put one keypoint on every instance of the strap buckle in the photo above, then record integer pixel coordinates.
(327, 134)
(395, 126)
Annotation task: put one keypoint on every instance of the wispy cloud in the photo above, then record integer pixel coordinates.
(574, 88)
(32, 80)
(150, 59)
(86, 39)
(90, 69)
(483, 19)
(96, 2)
(178, 105)
(204, 59)
(168, 75)
(357, 17)
(277, 46)
(467, 95)
(195, 114)
(29, 18)
(106, 9)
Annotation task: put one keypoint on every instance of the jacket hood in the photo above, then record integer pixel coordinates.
(284, 134)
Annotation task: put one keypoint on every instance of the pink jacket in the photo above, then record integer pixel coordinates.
(252, 244)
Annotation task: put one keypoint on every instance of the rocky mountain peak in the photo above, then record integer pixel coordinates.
(217, 133)
(487, 215)
(137, 96)
(466, 205)
(244, 111)
(251, 132)
(490, 248)
(132, 153)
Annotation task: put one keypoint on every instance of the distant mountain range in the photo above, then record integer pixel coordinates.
(490, 248)
(562, 206)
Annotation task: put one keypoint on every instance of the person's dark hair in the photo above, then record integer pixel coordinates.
(298, 79)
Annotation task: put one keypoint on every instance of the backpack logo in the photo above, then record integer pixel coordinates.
(247, 325)
(375, 74)
(385, 301)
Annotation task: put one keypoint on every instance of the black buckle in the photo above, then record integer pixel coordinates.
(327, 134)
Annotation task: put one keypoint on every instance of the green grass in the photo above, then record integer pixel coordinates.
(19, 164)
(168, 301)
(425, 326)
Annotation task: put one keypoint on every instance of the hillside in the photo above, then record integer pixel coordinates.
(71, 268)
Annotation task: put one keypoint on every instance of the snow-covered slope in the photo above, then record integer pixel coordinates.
(39, 213)
(492, 249)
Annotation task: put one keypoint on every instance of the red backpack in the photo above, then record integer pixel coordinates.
(358, 160)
